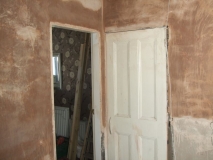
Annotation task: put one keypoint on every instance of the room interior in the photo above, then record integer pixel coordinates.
(67, 44)
(26, 95)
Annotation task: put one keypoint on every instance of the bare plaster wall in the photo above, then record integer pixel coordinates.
(190, 24)
(192, 139)
(190, 46)
(26, 125)
(26, 130)
(121, 15)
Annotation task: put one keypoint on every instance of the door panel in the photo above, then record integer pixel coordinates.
(122, 143)
(136, 95)
(121, 107)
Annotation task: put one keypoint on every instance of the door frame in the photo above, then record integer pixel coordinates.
(96, 84)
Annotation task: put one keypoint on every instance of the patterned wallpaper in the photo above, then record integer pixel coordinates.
(67, 42)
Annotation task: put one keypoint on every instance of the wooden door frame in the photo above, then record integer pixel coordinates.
(96, 84)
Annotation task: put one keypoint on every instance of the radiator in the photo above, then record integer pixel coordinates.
(82, 130)
(63, 123)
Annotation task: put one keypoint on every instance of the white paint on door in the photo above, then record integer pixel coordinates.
(137, 95)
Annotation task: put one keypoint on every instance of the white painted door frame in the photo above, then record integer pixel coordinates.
(96, 84)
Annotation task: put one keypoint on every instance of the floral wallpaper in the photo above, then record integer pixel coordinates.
(67, 42)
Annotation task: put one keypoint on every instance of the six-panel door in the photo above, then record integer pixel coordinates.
(136, 95)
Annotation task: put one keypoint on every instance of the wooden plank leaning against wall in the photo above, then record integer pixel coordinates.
(84, 52)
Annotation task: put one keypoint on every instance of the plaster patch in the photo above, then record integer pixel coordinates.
(195, 131)
(24, 13)
(5, 12)
(28, 33)
(2, 15)
(15, 94)
(47, 157)
(90, 4)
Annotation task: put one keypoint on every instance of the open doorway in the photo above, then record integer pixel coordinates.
(66, 42)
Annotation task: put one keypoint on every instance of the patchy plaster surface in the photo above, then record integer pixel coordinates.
(121, 15)
(191, 58)
(192, 139)
(26, 129)
(190, 24)
(28, 33)
(190, 47)
(94, 5)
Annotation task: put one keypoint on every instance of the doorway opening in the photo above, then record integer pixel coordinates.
(66, 45)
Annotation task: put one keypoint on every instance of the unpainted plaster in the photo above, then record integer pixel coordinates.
(25, 63)
(26, 130)
(190, 25)
(95, 5)
(122, 15)
(192, 139)
(190, 55)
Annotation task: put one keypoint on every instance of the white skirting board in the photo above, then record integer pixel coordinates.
(63, 123)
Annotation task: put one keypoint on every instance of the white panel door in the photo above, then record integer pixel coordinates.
(137, 95)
